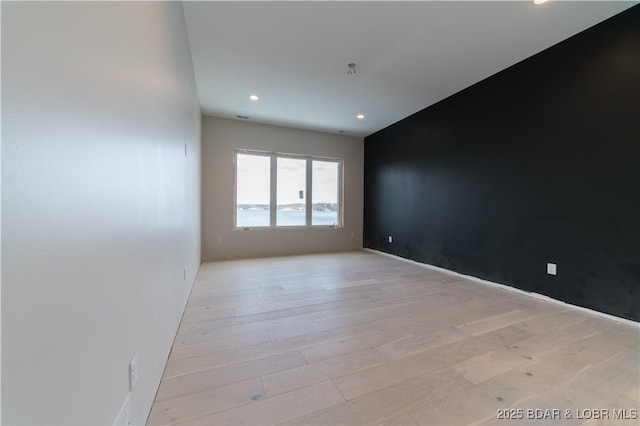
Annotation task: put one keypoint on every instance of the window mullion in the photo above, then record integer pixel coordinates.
(274, 191)
(340, 190)
(309, 198)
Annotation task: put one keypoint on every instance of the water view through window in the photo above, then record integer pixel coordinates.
(255, 218)
(292, 185)
(324, 210)
(254, 190)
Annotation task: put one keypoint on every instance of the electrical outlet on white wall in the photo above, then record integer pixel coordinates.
(390, 239)
(552, 269)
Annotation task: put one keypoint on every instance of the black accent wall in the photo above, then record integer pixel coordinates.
(538, 163)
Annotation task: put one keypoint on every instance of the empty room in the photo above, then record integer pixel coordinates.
(320, 212)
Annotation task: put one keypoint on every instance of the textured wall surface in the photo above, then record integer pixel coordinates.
(536, 164)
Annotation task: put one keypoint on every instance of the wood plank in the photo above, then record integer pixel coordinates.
(321, 371)
(440, 313)
(411, 344)
(200, 404)
(495, 322)
(490, 364)
(594, 388)
(182, 350)
(456, 317)
(391, 372)
(404, 420)
(374, 339)
(472, 405)
(385, 405)
(278, 409)
(269, 348)
(174, 387)
(478, 345)
(196, 333)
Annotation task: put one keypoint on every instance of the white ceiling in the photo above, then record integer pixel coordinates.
(408, 55)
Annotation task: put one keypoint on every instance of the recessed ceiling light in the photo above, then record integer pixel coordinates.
(539, 1)
(360, 116)
(254, 97)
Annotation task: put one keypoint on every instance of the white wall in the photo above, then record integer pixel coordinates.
(100, 206)
(220, 241)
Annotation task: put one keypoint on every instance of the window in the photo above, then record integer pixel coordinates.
(292, 186)
(283, 190)
(253, 190)
(325, 189)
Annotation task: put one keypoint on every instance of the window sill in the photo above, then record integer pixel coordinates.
(271, 228)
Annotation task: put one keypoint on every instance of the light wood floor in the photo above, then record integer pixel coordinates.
(360, 338)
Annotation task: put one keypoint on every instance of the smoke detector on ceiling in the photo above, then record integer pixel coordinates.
(351, 68)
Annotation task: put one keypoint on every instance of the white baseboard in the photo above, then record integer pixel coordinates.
(509, 288)
(124, 416)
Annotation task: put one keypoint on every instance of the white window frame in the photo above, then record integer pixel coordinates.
(273, 208)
